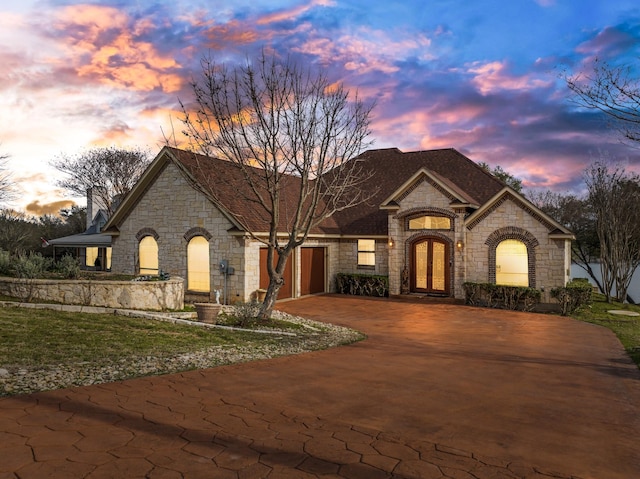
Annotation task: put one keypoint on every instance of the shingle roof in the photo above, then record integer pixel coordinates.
(390, 169)
(226, 185)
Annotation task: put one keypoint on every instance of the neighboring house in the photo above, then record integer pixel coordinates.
(92, 248)
(436, 220)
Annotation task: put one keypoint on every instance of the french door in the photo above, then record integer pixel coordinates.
(430, 266)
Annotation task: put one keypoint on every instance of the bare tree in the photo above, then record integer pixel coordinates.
(614, 196)
(292, 133)
(7, 187)
(614, 91)
(15, 231)
(111, 172)
(576, 214)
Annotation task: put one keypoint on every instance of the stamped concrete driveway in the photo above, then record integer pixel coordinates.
(436, 391)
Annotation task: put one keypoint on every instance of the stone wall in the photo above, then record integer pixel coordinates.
(145, 295)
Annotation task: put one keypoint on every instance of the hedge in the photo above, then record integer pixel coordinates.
(362, 284)
(500, 296)
(574, 295)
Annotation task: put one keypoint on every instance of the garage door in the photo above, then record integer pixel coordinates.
(286, 291)
(312, 277)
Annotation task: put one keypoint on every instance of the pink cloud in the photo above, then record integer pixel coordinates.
(293, 12)
(493, 77)
(367, 50)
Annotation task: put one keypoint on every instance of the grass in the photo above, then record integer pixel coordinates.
(626, 328)
(33, 338)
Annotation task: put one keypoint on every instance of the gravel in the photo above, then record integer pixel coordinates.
(314, 336)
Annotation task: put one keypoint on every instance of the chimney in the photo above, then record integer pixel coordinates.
(94, 204)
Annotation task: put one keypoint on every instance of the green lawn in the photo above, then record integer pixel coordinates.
(627, 328)
(34, 338)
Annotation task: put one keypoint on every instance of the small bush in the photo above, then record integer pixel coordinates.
(362, 284)
(573, 296)
(500, 296)
(245, 314)
(31, 266)
(68, 267)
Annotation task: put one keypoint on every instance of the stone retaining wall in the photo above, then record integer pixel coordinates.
(147, 295)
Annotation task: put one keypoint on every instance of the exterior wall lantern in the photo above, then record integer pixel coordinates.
(390, 242)
(460, 245)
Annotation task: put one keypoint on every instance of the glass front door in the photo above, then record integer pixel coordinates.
(430, 267)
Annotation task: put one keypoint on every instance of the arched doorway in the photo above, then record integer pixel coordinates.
(430, 266)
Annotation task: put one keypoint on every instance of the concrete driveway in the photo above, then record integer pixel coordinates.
(436, 391)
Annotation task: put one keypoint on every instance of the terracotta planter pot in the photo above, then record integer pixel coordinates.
(261, 294)
(207, 312)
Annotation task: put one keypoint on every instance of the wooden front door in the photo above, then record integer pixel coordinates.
(430, 266)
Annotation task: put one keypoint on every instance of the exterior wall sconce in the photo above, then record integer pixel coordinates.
(390, 242)
(460, 245)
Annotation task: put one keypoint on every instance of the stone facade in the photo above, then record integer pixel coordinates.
(147, 295)
(549, 262)
(170, 210)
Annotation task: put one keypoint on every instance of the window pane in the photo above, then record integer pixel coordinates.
(92, 254)
(366, 252)
(109, 257)
(430, 223)
(198, 264)
(439, 272)
(148, 249)
(512, 263)
(366, 259)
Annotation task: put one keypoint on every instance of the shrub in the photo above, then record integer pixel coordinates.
(68, 267)
(6, 263)
(501, 296)
(31, 266)
(362, 284)
(245, 314)
(573, 296)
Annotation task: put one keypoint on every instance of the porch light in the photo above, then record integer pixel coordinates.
(460, 245)
(390, 242)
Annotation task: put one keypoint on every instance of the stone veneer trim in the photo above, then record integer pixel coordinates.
(197, 231)
(144, 232)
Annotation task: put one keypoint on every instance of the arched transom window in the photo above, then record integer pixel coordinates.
(198, 277)
(512, 263)
(429, 222)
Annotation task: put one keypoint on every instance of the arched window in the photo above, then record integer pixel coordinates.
(512, 263)
(148, 251)
(198, 264)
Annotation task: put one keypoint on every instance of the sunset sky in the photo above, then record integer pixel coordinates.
(481, 76)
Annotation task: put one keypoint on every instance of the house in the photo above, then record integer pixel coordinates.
(435, 221)
(92, 247)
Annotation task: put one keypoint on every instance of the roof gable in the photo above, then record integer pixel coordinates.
(508, 194)
(442, 184)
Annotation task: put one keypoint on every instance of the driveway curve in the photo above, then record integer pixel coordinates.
(435, 391)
